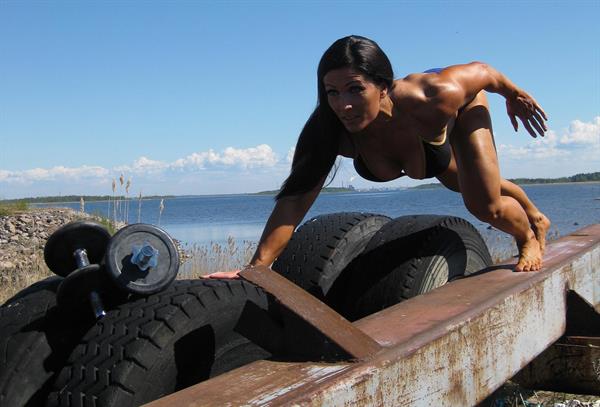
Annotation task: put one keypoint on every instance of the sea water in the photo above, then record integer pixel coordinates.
(204, 220)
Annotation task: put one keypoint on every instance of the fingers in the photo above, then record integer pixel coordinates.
(537, 126)
(224, 274)
(528, 127)
(538, 109)
(540, 120)
(534, 122)
(514, 122)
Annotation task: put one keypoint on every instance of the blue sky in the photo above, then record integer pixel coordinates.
(199, 97)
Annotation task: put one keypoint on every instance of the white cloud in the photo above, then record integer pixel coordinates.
(581, 133)
(52, 174)
(260, 156)
(230, 158)
(253, 157)
(146, 165)
(578, 134)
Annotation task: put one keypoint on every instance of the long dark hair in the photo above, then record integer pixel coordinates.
(318, 143)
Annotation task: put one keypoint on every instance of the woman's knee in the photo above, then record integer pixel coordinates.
(485, 211)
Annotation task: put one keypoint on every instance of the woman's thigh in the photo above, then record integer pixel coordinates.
(473, 146)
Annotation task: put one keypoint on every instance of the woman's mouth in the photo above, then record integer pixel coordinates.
(350, 119)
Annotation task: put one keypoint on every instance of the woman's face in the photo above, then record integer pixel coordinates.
(354, 99)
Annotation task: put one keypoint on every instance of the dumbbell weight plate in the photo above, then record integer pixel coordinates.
(59, 249)
(74, 290)
(126, 274)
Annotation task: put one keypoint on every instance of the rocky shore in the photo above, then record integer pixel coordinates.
(22, 240)
(23, 235)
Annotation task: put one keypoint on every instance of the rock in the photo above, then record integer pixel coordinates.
(23, 236)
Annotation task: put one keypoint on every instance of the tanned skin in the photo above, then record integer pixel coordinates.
(386, 128)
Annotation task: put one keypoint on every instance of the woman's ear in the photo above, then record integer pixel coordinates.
(385, 104)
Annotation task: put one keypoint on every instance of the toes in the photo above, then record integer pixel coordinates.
(525, 265)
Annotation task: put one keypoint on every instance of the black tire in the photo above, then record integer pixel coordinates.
(151, 347)
(48, 284)
(323, 246)
(35, 341)
(410, 255)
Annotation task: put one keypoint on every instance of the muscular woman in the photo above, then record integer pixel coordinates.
(432, 124)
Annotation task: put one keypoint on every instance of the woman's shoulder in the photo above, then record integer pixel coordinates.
(421, 96)
(408, 92)
(422, 90)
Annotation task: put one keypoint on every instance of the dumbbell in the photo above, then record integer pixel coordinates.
(75, 252)
(74, 245)
(139, 259)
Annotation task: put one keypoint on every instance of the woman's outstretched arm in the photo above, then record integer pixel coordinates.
(286, 215)
(458, 84)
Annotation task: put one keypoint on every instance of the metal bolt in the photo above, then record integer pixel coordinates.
(144, 256)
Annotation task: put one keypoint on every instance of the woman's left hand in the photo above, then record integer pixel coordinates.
(523, 106)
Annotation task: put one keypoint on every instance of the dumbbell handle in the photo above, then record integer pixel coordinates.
(97, 306)
(81, 258)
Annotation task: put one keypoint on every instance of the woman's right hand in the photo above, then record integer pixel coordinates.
(524, 106)
(227, 275)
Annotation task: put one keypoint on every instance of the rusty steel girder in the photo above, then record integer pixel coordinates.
(452, 346)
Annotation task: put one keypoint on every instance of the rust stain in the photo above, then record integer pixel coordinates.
(452, 346)
(339, 330)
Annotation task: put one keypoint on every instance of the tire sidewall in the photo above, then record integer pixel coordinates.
(410, 256)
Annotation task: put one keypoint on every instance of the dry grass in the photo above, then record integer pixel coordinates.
(14, 280)
(8, 209)
(513, 395)
(206, 259)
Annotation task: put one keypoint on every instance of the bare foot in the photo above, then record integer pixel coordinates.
(540, 225)
(530, 256)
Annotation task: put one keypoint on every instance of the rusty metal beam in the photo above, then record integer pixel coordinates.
(331, 324)
(452, 346)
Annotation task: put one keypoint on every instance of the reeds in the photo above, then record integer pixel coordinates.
(14, 280)
(120, 202)
(139, 219)
(206, 259)
(161, 208)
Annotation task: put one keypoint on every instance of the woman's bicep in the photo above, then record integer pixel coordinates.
(459, 84)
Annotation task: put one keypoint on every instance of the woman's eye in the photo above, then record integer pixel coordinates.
(332, 92)
(356, 89)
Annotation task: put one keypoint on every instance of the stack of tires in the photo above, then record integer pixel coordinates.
(360, 263)
(150, 346)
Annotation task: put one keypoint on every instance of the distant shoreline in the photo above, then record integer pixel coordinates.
(592, 178)
(439, 185)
